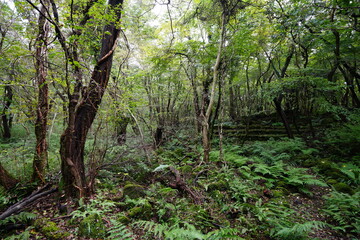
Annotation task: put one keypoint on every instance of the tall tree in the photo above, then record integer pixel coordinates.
(41, 155)
(82, 116)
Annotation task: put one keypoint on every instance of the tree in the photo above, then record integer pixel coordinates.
(41, 155)
(83, 113)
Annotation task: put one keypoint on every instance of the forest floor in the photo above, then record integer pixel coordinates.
(285, 189)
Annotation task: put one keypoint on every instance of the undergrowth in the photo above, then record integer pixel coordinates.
(243, 192)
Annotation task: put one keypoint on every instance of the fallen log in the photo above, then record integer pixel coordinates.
(17, 207)
(181, 185)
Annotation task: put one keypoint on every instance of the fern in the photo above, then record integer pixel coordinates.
(119, 232)
(352, 172)
(345, 210)
(224, 233)
(299, 230)
(97, 206)
(21, 217)
(25, 235)
(173, 232)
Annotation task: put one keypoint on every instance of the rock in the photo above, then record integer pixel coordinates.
(133, 190)
(220, 185)
(344, 188)
(92, 227)
(123, 219)
(50, 229)
(143, 212)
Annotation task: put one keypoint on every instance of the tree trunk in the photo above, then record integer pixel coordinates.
(205, 116)
(73, 139)
(283, 117)
(6, 120)
(41, 155)
(122, 122)
(6, 180)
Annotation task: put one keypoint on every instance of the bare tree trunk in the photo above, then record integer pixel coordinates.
(41, 155)
(73, 139)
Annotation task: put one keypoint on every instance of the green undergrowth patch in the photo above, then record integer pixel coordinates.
(243, 192)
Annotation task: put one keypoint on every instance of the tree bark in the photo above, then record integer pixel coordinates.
(74, 137)
(41, 155)
(278, 99)
(6, 120)
(205, 116)
(121, 122)
(6, 180)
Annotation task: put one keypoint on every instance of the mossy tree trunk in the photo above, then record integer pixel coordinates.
(206, 113)
(122, 122)
(41, 155)
(74, 137)
(6, 180)
(5, 116)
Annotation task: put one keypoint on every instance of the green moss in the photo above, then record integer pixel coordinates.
(278, 193)
(333, 173)
(141, 212)
(92, 227)
(219, 185)
(168, 192)
(186, 169)
(123, 219)
(324, 165)
(216, 194)
(331, 181)
(281, 184)
(50, 229)
(309, 163)
(344, 188)
(133, 190)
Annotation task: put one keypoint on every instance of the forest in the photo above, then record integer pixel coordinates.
(180, 119)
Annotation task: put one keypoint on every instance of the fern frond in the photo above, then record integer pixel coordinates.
(119, 232)
(299, 230)
(224, 233)
(21, 217)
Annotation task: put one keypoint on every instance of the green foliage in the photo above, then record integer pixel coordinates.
(118, 231)
(345, 210)
(186, 231)
(25, 235)
(50, 229)
(345, 139)
(275, 150)
(23, 217)
(299, 230)
(92, 226)
(98, 205)
(352, 172)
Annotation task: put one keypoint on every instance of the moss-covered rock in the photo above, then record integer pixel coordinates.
(133, 190)
(331, 181)
(50, 229)
(123, 219)
(309, 163)
(333, 173)
(143, 212)
(344, 188)
(220, 185)
(92, 227)
(324, 165)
